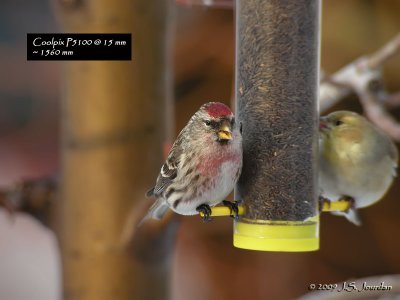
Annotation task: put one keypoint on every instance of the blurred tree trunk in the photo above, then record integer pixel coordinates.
(113, 127)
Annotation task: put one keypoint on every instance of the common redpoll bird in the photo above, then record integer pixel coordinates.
(357, 161)
(202, 167)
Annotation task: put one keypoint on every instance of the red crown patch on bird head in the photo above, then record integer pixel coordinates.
(217, 109)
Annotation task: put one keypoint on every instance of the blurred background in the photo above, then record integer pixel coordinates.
(181, 257)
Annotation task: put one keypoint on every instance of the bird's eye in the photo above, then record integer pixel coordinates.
(233, 122)
(207, 122)
(338, 123)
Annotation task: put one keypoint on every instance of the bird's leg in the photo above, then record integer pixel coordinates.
(239, 201)
(233, 206)
(205, 209)
(322, 200)
(350, 200)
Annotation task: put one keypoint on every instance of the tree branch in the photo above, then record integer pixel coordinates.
(364, 77)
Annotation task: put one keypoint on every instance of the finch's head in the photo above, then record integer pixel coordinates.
(216, 119)
(343, 126)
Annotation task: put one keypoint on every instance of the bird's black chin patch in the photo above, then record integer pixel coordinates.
(223, 141)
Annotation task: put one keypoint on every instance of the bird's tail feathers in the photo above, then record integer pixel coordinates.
(351, 215)
(156, 211)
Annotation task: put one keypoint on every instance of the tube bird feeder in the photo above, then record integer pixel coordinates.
(277, 65)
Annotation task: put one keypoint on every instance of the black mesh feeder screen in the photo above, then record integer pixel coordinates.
(277, 64)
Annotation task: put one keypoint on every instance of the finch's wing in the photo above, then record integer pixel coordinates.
(169, 171)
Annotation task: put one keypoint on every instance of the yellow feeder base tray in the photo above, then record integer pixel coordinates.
(290, 236)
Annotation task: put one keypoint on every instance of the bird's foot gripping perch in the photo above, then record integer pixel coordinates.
(234, 208)
(350, 202)
(205, 212)
(322, 201)
(344, 204)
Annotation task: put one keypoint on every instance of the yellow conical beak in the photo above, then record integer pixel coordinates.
(225, 133)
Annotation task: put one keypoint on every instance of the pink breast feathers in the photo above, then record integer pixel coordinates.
(211, 166)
